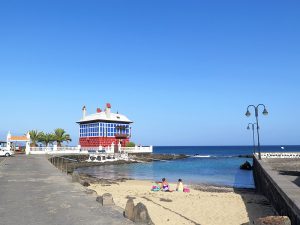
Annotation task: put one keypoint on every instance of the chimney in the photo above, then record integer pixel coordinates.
(98, 110)
(83, 112)
(107, 110)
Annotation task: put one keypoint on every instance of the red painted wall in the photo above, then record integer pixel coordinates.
(103, 141)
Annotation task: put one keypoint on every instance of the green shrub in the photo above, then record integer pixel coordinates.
(130, 144)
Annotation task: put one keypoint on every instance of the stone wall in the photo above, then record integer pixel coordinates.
(278, 190)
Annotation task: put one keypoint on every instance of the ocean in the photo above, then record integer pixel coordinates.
(206, 165)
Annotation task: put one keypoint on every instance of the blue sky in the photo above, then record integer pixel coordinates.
(183, 71)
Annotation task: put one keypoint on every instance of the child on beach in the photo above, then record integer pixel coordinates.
(179, 186)
(165, 185)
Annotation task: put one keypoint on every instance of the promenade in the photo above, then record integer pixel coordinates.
(278, 180)
(32, 191)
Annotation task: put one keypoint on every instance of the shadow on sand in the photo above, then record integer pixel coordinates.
(255, 203)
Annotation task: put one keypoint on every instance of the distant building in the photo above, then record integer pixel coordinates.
(104, 128)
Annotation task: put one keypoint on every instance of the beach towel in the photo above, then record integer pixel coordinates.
(155, 188)
(186, 190)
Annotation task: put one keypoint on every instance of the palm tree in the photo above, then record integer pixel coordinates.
(60, 136)
(35, 137)
(47, 138)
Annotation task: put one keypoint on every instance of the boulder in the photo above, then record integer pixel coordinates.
(128, 213)
(105, 200)
(84, 183)
(90, 192)
(246, 166)
(141, 215)
(273, 220)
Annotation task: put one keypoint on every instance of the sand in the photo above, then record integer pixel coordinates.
(197, 207)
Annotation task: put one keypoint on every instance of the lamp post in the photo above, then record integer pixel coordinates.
(252, 128)
(265, 113)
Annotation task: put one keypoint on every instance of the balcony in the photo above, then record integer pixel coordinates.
(121, 136)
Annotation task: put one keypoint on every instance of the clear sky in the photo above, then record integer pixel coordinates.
(183, 71)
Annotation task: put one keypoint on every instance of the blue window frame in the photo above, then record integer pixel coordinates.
(103, 129)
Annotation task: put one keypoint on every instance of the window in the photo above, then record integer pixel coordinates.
(103, 129)
(89, 130)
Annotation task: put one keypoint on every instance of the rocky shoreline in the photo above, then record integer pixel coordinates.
(69, 163)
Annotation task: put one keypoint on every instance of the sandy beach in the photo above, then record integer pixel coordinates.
(209, 207)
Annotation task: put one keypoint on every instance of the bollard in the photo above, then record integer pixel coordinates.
(105, 200)
(128, 213)
(141, 215)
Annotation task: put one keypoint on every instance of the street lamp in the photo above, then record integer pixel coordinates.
(252, 128)
(265, 113)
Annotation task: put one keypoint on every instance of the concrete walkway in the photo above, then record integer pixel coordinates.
(274, 179)
(32, 191)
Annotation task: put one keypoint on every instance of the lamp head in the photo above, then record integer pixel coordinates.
(248, 128)
(265, 112)
(248, 113)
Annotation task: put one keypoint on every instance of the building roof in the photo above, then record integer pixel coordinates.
(104, 116)
(18, 138)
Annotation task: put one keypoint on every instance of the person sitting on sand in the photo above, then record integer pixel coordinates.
(165, 185)
(179, 186)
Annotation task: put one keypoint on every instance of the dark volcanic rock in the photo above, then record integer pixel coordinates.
(246, 166)
(156, 157)
(90, 192)
(84, 183)
(273, 220)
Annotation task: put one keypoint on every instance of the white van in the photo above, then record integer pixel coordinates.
(4, 151)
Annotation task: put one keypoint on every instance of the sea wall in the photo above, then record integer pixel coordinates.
(283, 195)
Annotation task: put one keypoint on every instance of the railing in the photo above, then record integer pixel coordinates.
(41, 148)
(91, 148)
(137, 149)
(85, 150)
(280, 155)
(121, 136)
(57, 150)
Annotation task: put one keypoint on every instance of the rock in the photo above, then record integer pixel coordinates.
(141, 215)
(90, 192)
(273, 220)
(246, 166)
(128, 213)
(75, 176)
(105, 200)
(84, 183)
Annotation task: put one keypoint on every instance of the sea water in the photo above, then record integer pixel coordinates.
(212, 165)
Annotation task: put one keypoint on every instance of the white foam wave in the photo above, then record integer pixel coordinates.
(202, 156)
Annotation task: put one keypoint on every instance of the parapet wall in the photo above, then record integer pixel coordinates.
(283, 195)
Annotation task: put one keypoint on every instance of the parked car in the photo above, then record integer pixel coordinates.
(5, 152)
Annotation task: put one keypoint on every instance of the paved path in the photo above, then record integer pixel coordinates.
(32, 191)
(279, 180)
(289, 168)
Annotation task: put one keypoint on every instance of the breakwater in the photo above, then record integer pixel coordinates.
(68, 163)
(283, 194)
